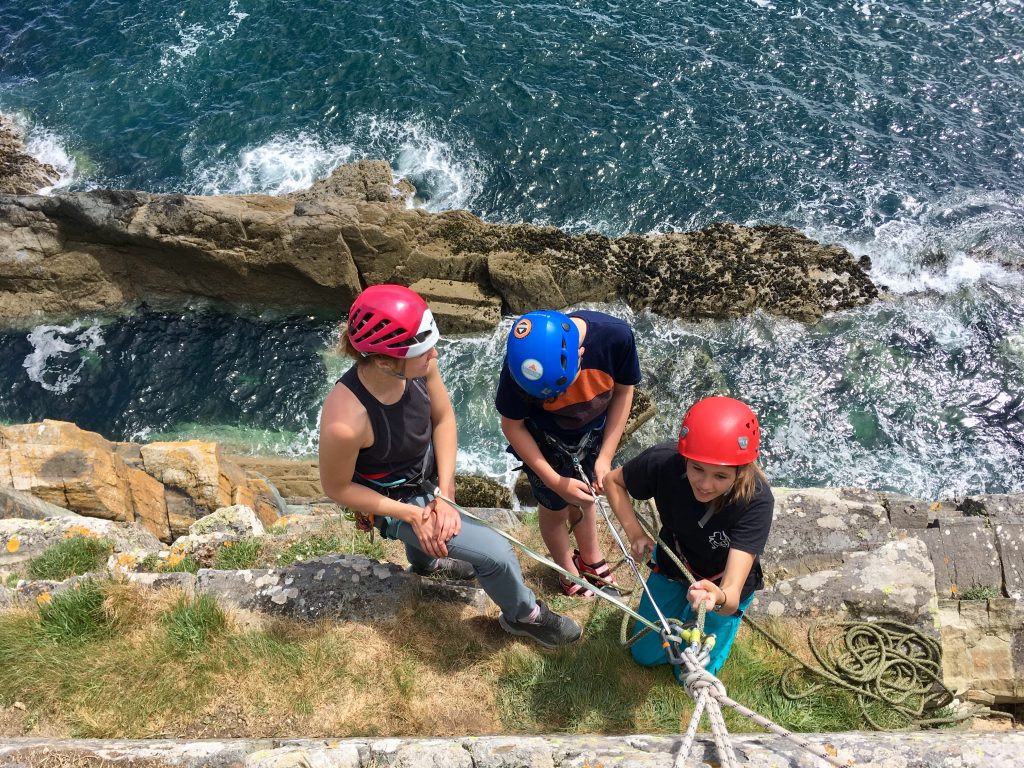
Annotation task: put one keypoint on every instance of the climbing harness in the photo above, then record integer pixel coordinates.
(419, 483)
(571, 452)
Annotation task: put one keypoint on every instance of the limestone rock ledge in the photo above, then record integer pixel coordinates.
(866, 750)
(20, 173)
(104, 250)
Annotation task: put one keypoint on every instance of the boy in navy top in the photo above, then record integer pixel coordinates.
(564, 394)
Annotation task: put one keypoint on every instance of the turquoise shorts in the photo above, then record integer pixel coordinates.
(670, 595)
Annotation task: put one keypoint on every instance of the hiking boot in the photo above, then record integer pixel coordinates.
(549, 629)
(447, 568)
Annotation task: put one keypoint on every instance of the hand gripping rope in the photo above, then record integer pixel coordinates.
(704, 688)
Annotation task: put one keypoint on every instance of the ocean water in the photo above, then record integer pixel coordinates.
(892, 128)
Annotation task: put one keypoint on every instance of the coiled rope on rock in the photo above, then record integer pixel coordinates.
(880, 662)
(704, 688)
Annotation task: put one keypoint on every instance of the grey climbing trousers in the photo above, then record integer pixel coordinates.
(491, 556)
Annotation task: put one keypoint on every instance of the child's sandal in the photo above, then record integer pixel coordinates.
(572, 589)
(598, 574)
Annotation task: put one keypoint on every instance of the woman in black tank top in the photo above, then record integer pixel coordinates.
(387, 430)
(388, 440)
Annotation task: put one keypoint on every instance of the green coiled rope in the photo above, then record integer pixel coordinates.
(880, 662)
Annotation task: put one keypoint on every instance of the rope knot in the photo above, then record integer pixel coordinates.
(697, 679)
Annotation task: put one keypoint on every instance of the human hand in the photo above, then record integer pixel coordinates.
(601, 468)
(641, 547)
(573, 491)
(426, 526)
(706, 592)
(448, 518)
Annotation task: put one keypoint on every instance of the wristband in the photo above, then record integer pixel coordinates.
(719, 606)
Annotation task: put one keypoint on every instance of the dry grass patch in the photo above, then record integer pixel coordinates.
(173, 665)
(162, 674)
(45, 757)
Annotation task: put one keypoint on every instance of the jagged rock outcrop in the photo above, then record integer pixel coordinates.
(20, 173)
(335, 587)
(21, 540)
(165, 487)
(89, 251)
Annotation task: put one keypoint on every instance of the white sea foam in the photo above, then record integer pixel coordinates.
(281, 165)
(47, 147)
(192, 36)
(938, 246)
(58, 354)
(445, 169)
(446, 173)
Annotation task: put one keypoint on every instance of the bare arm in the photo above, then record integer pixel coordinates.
(615, 425)
(445, 437)
(737, 568)
(618, 499)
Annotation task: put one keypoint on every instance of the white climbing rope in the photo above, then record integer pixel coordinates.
(706, 690)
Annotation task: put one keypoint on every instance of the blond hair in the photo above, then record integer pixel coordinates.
(743, 488)
(346, 348)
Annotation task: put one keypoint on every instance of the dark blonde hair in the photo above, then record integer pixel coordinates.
(346, 348)
(743, 488)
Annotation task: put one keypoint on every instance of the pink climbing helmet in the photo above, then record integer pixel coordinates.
(391, 320)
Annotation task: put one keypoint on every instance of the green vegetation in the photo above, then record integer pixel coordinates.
(595, 687)
(70, 557)
(530, 519)
(239, 555)
(111, 660)
(192, 623)
(75, 615)
(984, 592)
(318, 545)
(153, 563)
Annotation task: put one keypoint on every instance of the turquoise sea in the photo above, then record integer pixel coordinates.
(893, 128)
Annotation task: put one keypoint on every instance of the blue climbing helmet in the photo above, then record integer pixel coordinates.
(544, 353)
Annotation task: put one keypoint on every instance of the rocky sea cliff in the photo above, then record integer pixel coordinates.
(70, 253)
(954, 569)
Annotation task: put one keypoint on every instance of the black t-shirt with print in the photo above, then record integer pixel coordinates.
(660, 473)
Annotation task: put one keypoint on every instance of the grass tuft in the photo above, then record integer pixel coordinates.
(70, 557)
(191, 623)
(984, 592)
(187, 564)
(239, 555)
(75, 615)
(318, 545)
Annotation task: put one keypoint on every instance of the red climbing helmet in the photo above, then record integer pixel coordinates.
(720, 430)
(391, 320)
